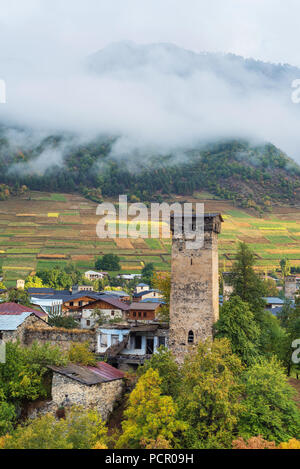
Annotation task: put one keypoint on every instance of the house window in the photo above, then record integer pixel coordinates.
(138, 342)
(103, 340)
(191, 337)
(71, 303)
(140, 314)
(134, 314)
(80, 303)
(112, 313)
(88, 322)
(161, 341)
(144, 314)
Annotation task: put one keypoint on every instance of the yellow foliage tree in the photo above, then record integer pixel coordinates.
(162, 282)
(150, 417)
(79, 353)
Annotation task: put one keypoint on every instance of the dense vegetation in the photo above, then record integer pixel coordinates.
(249, 175)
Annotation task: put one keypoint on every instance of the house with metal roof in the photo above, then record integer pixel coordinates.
(97, 387)
(109, 306)
(13, 326)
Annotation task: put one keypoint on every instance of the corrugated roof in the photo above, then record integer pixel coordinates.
(111, 301)
(9, 322)
(16, 308)
(143, 306)
(89, 375)
(274, 300)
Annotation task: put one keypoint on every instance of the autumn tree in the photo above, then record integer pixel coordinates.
(81, 429)
(237, 323)
(210, 395)
(162, 282)
(150, 416)
(80, 353)
(164, 363)
(269, 409)
(246, 283)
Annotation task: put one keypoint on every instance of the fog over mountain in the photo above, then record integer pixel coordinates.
(153, 98)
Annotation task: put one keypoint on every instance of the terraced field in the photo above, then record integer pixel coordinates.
(54, 229)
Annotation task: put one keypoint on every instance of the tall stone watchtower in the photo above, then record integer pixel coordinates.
(194, 299)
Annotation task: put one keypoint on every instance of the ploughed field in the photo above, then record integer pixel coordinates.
(54, 229)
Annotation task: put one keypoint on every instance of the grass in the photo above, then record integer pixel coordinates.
(271, 237)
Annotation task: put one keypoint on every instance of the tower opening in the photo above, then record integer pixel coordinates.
(191, 337)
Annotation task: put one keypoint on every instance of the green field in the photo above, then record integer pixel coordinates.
(36, 233)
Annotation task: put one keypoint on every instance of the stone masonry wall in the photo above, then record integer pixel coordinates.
(20, 332)
(101, 397)
(59, 336)
(194, 300)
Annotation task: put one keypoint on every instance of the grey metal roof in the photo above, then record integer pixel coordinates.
(12, 322)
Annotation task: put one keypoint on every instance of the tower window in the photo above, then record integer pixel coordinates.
(191, 337)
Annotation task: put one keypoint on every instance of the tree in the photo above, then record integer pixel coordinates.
(246, 283)
(237, 323)
(289, 318)
(270, 287)
(81, 429)
(79, 353)
(269, 409)
(22, 375)
(162, 282)
(164, 363)
(147, 273)
(285, 268)
(210, 395)
(110, 262)
(19, 296)
(149, 416)
(33, 282)
(256, 442)
(67, 322)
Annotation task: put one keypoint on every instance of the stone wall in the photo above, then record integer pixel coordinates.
(20, 332)
(59, 336)
(101, 397)
(194, 299)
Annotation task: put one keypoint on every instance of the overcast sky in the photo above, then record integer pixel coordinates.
(264, 29)
(44, 44)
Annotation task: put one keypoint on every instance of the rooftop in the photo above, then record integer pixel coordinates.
(16, 309)
(9, 322)
(100, 373)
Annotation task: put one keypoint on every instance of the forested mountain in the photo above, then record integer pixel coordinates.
(253, 176)
(156, 152)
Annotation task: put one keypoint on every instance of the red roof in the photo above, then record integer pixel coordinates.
(106, 371)
(16, 308)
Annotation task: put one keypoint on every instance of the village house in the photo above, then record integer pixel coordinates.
(93, 387)
(273, 302)
(13, 326)
(10, 308)
(143, 311)
(93, 275)
(141, 287)
(50, 305)
(121, 295)
(110, 307)
(129, 346)
(146, 294)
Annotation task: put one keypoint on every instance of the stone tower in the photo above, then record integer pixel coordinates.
(194, 299)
